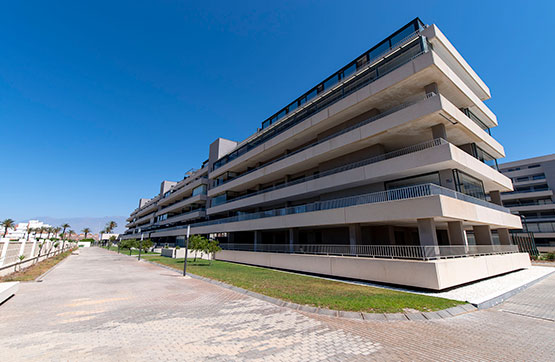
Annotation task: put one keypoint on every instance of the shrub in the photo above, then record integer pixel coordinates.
(550, 256)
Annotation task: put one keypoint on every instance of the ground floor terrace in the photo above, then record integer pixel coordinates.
(103, 306)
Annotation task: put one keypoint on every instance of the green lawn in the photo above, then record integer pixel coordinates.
(309, 290)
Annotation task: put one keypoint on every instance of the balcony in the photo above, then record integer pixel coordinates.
(353, 77)
(200, 199)
(414, 252)
(405, 105)
(417, 192)
(390, 155)
(183, 190)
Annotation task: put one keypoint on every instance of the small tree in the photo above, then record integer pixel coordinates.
(128, 244)
(145, 245)
(21, 257)
(197, 243)
(211, 248)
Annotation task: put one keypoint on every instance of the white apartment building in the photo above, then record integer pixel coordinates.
(380, 172)
(20, 230)
(532, 198)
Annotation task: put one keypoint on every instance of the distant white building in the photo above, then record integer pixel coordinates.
(107, 236)
(20, 231)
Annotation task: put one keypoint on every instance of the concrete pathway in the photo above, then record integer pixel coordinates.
(102, 306)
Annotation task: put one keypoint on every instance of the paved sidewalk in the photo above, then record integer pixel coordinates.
(103, 306)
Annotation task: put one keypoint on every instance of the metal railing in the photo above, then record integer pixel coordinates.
(409, 103)
(380, 68)
(416, 252)
(404, 151)
(402, 193)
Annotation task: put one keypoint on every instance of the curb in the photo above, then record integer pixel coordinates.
(503, 297)
(362, 316)
(39, 278)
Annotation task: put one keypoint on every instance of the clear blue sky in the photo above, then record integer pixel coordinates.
(100, 102)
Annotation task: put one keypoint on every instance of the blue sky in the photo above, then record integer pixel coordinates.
(100, 102)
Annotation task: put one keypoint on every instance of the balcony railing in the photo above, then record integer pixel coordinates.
(386, 156)
(369, 72)
(416, 252)
(343, 131)
(403, 193)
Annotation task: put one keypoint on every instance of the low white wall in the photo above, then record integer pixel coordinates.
(180, 253)
(435, 274)
(84, 244)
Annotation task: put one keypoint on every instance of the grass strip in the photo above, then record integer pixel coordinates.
(302, 289)
(36, 270)
(126, 251)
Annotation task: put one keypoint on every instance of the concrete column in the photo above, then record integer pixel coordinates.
(355, 236)
(22, 249)
(496, 197)
(391, 235)
(4, 251)
(257, 239)
(456, 233)
(33, 249)
(428, 236)
(432, 87)
(482, 235)
(293, 238)
(504, 236)
(438, 131)
(457, 236)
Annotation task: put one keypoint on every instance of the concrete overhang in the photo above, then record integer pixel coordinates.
(445, 156)
(439, 207)
(384, 93)
(392, 131)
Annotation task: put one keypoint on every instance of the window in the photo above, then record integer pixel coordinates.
(331, 82)
(513, 169)
(199, 190)
(469, 185)
(350, 70)
(533, 166)
(162, 217)
(400, 36)
(220, 199)
(540, 176)
(520, 179)
(411, 181)
(379, 50)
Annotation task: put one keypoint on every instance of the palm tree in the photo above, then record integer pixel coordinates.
(86, 231)
(57, 231)
(28, 231)
(49, 230)
(111, 226)
(69, 233)
(7, 224)
(65, 226)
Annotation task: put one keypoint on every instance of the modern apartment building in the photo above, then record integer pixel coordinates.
(379, 172)
(532, 199)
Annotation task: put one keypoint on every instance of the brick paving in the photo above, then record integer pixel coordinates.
(102, 306)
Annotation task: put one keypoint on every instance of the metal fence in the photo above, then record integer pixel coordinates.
(525, 243)
(386, 156)
(417, 252)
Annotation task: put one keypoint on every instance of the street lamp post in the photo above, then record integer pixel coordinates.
(141, 246)
(186, 250)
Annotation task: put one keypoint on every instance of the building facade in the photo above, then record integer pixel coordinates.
(389, 157)
(21, 229)
(532, 199)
